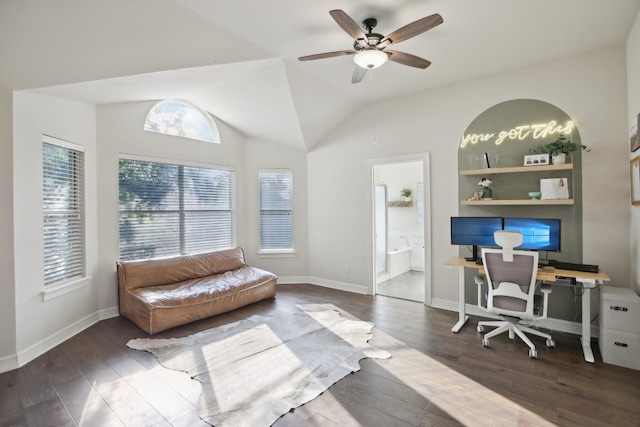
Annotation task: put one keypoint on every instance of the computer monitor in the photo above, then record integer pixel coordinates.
(539, 234)
(474, 231)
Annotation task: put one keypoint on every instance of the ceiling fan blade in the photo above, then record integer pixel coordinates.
(358, 74)
(348, 25)
(327, 55)
(412, 30)
(407, 59)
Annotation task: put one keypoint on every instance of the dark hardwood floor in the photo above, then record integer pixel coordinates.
(434, 377)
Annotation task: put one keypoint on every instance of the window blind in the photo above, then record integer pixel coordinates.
(276, 210)
(169, 209)
(63, 211)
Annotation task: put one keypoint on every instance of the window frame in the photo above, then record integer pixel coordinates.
(181, 211)
(282, 251)
(77, 276)
(190, 133)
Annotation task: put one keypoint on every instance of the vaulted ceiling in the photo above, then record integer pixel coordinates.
(238, 59)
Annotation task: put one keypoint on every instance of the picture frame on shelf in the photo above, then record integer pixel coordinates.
(536, 159)
(635, 181)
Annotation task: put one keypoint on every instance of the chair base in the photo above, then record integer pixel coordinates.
(514, 329)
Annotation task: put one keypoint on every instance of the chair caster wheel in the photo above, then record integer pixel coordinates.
(550, 343)
(485, 342)
(533, 354)
(480, 329)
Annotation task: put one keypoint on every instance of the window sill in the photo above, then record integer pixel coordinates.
(58, 290)
(277, 254)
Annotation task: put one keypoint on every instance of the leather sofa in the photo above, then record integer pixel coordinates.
(163, 293)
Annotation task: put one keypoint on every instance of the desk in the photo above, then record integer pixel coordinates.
(548, 274)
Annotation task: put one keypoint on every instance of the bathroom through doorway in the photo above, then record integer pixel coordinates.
(399, 232)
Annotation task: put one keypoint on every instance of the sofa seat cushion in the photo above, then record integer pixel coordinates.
(202, 289)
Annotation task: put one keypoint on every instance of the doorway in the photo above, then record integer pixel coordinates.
(400, 267)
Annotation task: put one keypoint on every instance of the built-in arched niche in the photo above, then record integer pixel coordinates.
(506, 133)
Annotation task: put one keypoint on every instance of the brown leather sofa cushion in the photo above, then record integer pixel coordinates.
(137, 274)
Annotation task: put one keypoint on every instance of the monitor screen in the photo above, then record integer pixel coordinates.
(474, 231)
(539, 234)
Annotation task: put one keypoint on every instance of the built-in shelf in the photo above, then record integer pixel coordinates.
(517, 169)
(517, 202)
(400, 204)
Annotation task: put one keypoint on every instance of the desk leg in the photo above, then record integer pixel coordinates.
(462, 316)
(586, 326)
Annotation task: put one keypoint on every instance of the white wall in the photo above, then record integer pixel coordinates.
(37, 321)
(7, 288)
(590, 88)
(633, 94)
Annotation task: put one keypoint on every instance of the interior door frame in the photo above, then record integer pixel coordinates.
(424, 158)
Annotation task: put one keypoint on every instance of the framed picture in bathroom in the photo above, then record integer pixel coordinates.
(635, 181)
(634, 135)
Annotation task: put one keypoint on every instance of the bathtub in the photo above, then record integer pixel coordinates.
(398, 261)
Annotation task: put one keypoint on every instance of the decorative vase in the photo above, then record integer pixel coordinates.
(560, 159)
(407, 199)
(487, 194)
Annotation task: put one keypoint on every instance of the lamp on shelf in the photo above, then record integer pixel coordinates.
(370, 58)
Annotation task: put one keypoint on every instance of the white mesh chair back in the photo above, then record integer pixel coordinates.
(511, 279)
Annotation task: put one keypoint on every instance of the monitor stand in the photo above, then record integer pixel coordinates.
(474, 256)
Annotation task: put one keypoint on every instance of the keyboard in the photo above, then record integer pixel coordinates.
(587, 268)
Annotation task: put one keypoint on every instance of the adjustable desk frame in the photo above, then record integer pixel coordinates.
(548, 274)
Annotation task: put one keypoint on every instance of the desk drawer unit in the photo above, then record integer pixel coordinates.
(620, 348)
(619, 340)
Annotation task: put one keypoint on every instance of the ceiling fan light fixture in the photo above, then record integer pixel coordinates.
(370, 58)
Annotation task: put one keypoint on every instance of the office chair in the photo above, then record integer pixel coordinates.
(511, 277)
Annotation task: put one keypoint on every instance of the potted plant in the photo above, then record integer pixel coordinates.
(485, 183)
(406, 193)
(559, 149)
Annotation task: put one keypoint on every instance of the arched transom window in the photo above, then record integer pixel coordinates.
(180, 118)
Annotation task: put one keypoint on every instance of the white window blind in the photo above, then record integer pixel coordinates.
(63, 210)
(169, 209)
(276, 210)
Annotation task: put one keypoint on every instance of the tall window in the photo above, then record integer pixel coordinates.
(63, 210)
(179, 118)
(169, 209)
(276, 210)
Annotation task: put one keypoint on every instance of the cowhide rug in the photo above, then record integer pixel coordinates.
(255, 370)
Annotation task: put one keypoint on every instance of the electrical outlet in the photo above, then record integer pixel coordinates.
(347, 268)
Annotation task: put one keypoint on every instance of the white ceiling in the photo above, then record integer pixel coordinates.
(238, 59)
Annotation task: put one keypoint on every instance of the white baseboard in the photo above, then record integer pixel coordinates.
(35, 350)
(340, 286)
(26, 355)
(293, 280)
(108, 313)
(9, 363)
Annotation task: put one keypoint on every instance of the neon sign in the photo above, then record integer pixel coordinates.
(535, 131)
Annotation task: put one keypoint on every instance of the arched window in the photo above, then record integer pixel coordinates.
(180, 118)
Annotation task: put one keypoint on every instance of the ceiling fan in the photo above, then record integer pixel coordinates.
(370, 49)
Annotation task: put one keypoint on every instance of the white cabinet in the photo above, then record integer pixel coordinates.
(619, 340)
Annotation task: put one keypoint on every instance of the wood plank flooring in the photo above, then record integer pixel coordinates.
(434, 377)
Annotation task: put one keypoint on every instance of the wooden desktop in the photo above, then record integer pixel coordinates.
(547, 274)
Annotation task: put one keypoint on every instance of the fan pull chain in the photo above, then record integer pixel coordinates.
(372, 136)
